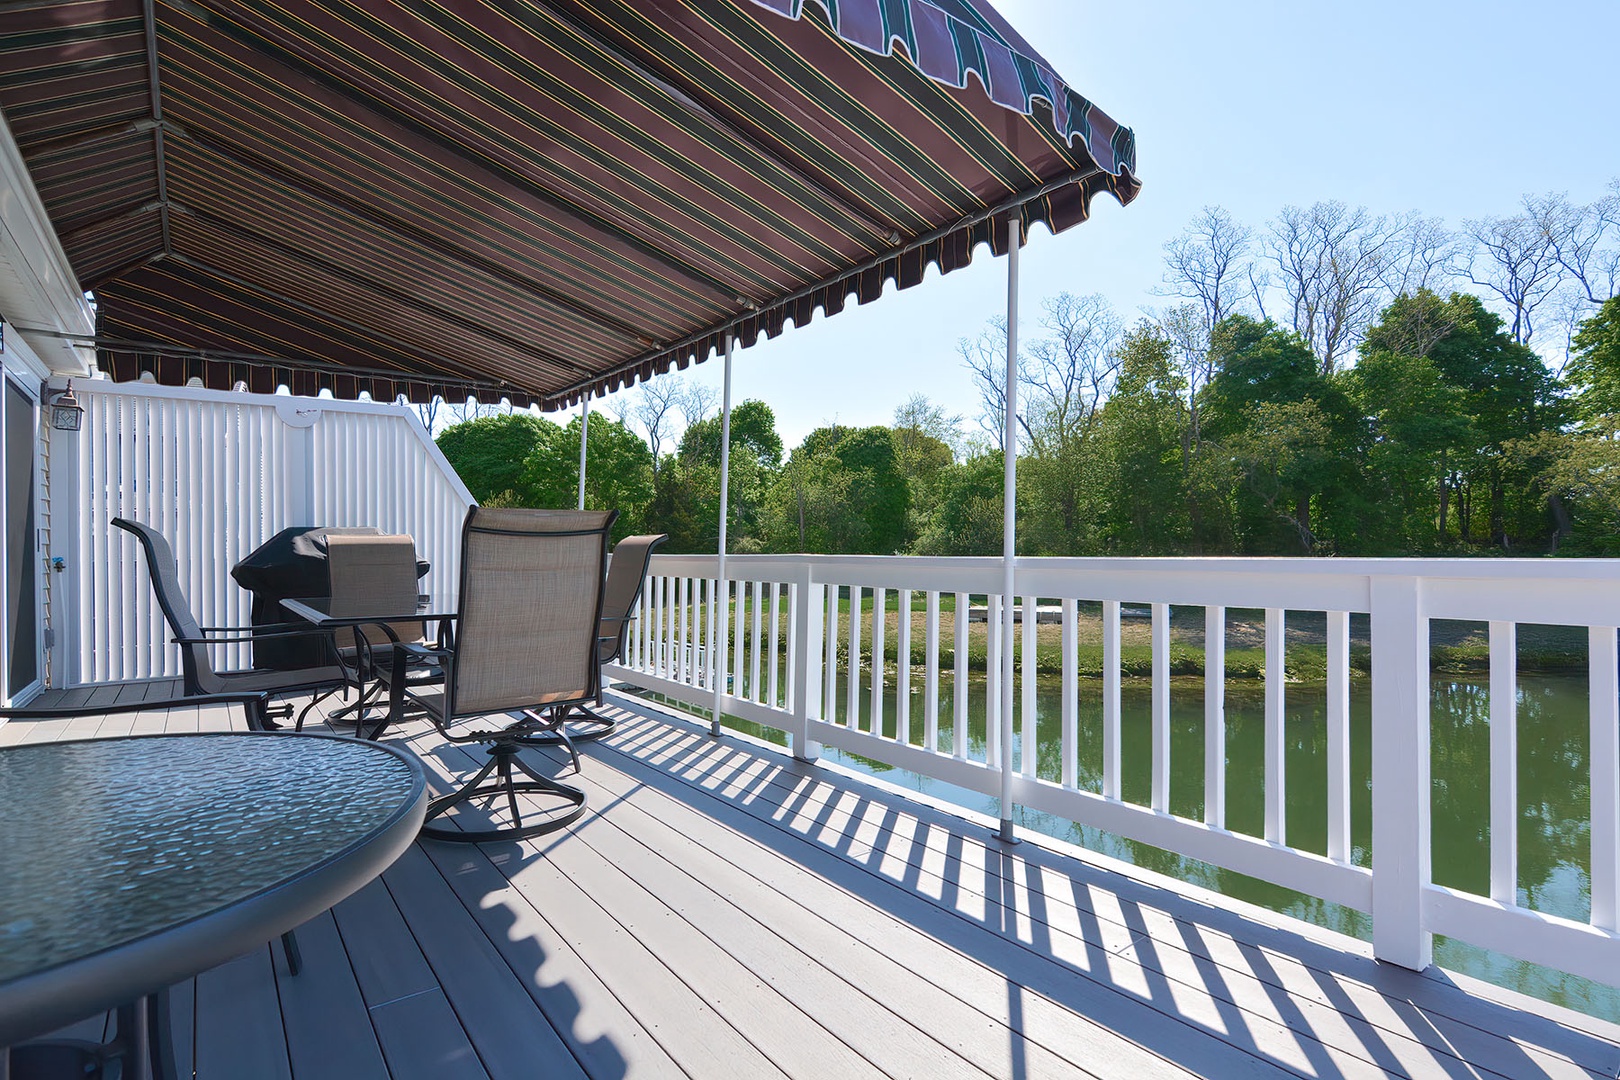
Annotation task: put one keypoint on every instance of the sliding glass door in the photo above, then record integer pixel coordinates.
(22, 554)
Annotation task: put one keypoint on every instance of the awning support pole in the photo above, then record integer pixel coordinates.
(722, 591)
(584, 433)
(1009, 479)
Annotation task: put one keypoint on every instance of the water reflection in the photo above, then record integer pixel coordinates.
(1554, 821)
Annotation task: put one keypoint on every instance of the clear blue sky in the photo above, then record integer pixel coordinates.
(1454, 109)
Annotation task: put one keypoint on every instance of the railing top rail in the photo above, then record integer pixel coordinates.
(239, 397)
(1484, 569)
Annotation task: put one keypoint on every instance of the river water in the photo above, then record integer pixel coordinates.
(1554, 820)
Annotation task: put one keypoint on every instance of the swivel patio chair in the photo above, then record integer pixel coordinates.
(529, 613)
(376, 573)
(627, 573)
(197, 665)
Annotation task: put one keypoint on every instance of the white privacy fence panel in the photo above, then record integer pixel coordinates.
(218, 474)
(807, 658)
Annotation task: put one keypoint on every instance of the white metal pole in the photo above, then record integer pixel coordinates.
(1009, 480)
(722, 599)
(584, 432)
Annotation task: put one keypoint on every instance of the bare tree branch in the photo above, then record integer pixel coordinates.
(1332, 261)
(1421, 256)
(1208, 263)
(1071, 371)
(986, 358)
(1515, 258)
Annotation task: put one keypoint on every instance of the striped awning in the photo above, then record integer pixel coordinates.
(530, 199)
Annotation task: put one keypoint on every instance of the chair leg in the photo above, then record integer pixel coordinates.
(314, 701)
(583, 725)
(295, 959)
(503, 760)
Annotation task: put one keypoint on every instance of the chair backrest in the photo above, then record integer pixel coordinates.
(196, 666)
(374, 573)
(626, 573)
(529, 611)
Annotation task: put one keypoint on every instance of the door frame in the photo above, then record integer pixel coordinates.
(30, 386)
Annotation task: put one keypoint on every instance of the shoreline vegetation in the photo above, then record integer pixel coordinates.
(1456, 648)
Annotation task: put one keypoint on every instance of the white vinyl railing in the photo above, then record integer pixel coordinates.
(802, 675)
(218, 473)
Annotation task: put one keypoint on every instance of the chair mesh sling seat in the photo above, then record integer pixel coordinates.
(197, 666)
(627, 573)
(528, 615)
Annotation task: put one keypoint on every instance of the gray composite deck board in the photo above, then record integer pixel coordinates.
(722, 910)
(325, 1019)
(1169, 932)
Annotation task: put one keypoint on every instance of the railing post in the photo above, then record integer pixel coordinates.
(804, 649)
(1400, 771)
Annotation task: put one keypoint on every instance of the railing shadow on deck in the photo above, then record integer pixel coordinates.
(1131, 943)
(476, 877)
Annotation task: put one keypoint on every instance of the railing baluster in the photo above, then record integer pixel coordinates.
(668, 649)
(804, 683)
(880, 600)
(830, 694)
(756, 688)
(1504, 762)
(992, 682)
(959, 680)
(1338, 735)
(1215, 716)
(931, 673)
(852, 692)
(1275, 789)
(902, 670)
(1604, 705)
(681, 586)
(1161, 708)
(1071, 697)
(1029, 732)
(772, 694)
(1111, 673)
(738, 629)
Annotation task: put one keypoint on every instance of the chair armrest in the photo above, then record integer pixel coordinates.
(268, 629)
(30, 712)
(230, 635)
(424, 652)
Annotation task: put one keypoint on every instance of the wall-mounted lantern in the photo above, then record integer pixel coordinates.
(66, 412)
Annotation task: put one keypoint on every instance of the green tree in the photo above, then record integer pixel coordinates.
(618, 472)
(967, 513)
(489, 453)
(1284, 427)
(1594, 373)
(841, 491)
(1509, 394)
(686, 503)
(925, 438)
(1415, 422)
(1143, 493)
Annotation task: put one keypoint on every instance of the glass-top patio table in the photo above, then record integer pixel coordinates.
(130, 864)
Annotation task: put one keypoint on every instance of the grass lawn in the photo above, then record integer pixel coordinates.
(1457, 647)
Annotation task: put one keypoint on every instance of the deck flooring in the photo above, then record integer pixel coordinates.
(725, 911)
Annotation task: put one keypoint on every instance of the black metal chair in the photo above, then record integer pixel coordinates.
(529, 613)
(379, 572)
(197, 666)
(626, 575)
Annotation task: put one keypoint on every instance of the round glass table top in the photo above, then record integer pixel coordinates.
(106, 842)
